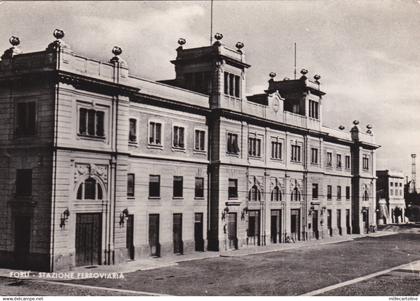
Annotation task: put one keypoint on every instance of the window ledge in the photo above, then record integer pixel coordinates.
(91, 137)
(201, 198)
(155, 146)
(133, 143)
(178, 149)
(233, 154)
(178, 198)
(277, 159)
(154, 197)
(201, 152)
(131, 197)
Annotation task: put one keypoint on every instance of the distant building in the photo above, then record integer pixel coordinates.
(390, 197)
(100, 166)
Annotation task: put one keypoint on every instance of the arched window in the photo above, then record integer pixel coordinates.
(89, 190)
(254, 194)
(295, 194)
(276, 194)
(365, 196)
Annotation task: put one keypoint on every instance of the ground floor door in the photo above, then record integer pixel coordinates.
(315, 229)
(130, 236)
(339, 221)
(232, 230)
(295, 224)
(177, 233)
(329, 222)
(254, 227)
(198, 232)
(22, 240)
(348, 221)
(365, 220)
(275, 226)
(88, 238)
(154, 235)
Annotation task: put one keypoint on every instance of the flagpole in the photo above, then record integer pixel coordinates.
(211, 22)
(295, 60)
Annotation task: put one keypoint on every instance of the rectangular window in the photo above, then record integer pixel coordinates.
(338, 161)
(226, 83)
(314, 155)
(391, 192)
(365, 162)
(25, 119)
(233, 189)
(329, 192)
(295, 153)
(178, 140)
(154, 186)
(254, 147)
(199, 140)
(276, 149)
(24, 182)
(155, 133)
(338, 192)
(347, 192)
(232, 84)
(313, 109)
(329, 159)
(132, 135)
(199, 188)
(232, 144)
(391, 184)
(237, 85)
(130, 184)
(347, 162)
(314, 191)
(91, 123)
(178, 187)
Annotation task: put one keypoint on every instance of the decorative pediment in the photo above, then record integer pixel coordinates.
(86, 170)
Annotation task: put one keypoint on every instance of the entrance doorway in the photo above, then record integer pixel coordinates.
(315, 229)
(177, 233)
(275, 226)
(295, 224)
(339, 221)
(130, 236)
(365, 220)
(88, 238)
(254, 227)
(232, 229)
(198, 232)
(22, 241)
(154, 235)
(329, 222)
(348, 221)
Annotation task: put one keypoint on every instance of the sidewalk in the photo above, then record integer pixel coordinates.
(155, 263)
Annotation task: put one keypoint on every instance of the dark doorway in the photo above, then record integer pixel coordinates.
(130, 236)
(198, 232)
(365, 220)
(329, 221)
(275, 226)
(295, 224)
(315, 229)
(348, 221)
(22, 241)
(254, 227)
(88, 238)
(154, 235)
(233, 240)
(339, 222)
(177, 233)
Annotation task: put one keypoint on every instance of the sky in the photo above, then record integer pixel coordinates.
(367, 52)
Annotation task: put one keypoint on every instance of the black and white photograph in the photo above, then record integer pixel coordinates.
(210, 148)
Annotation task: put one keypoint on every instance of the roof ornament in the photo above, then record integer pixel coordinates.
(272, 75)
(218, 36)
(239, 47)
(14, 50)
(341, 127)
(317, 77)
(181, 42)
(303, 72)
(116, 51)
(286, 79)
(356, 122)
(369, 129)
(58, 44)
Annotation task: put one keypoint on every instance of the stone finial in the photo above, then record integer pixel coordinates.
(341, 127)
(239, 46)
(272, 75)
(304, 71)
(369, 126)
(116, 51)
(218, 36)
(58, 44)
(286, 79)
(181, 42)
(317, 77)
(356, 122)
(14, 50)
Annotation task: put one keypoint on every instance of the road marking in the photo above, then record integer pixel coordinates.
(119, 290)
(356, 280)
